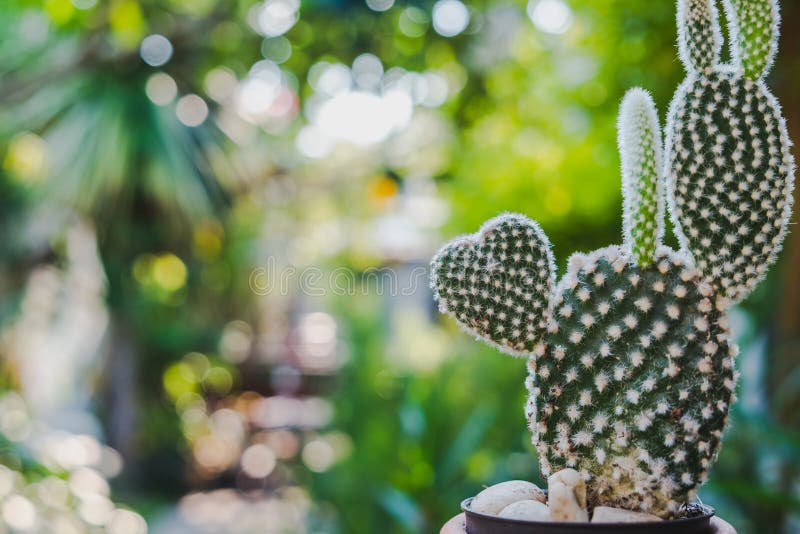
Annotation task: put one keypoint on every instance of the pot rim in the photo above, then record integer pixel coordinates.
(708, 513)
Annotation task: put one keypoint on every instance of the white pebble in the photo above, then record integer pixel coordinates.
(606, 514)
(567, 496)
(526, 511)
(494, 498)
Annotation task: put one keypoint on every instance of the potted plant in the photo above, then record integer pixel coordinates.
(632, 367)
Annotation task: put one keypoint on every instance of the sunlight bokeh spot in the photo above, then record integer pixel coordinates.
(258, 461)
(15, 423)
(127, 23)
(219, 83)
(155, 50)
(413, 22)
(330, 79)
(312, 142)
(169, 272)
(218, 380)
(550, 16)
(126, 522)
(178, 380)
(367, 71)
(54, 492)
(161, 88)
(60, 11)
(450, 17)
(216, 452)
(380, 5)
(276, 17)
(284, 443)
(236, 341)
(277, 49)
(26, 157)
(34, 28)
(318, 455)
(364, 118)
(96, 509)
(191, 110)
(256, 95)
(19, 513)
(85, 481)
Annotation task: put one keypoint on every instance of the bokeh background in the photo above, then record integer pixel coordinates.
(215, 220)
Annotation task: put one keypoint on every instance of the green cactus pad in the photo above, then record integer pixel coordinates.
(730, 178)
(729, 170)
(753, 27)
(699, 38)
(634, 387)
(497, 283)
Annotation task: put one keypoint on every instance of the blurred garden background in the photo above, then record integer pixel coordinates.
(216, 218)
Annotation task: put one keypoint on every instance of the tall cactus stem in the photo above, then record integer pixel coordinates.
(639, 139)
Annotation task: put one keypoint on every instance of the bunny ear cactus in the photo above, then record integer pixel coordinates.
(729, 167)
(631, 367)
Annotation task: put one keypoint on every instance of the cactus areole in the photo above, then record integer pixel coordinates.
(632, 369)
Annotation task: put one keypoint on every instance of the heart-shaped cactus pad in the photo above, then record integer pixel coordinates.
(497, 282)
(636, 379)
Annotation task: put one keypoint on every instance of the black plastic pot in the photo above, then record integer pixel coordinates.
(698, 523)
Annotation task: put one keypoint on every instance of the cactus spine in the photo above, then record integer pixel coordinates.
(631, 366)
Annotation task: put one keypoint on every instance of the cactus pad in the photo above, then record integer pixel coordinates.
(753, 26)
(635, 384)
(699, 38)
(497, 282)
(730, 170)
(730, 180)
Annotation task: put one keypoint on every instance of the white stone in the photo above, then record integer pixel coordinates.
(494, 498)
(567, 496)
(526, 511)
(607, 514)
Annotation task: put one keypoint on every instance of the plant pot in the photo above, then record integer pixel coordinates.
(698, 523)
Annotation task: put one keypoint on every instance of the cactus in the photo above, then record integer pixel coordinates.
(631, 366)
(729, 168)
